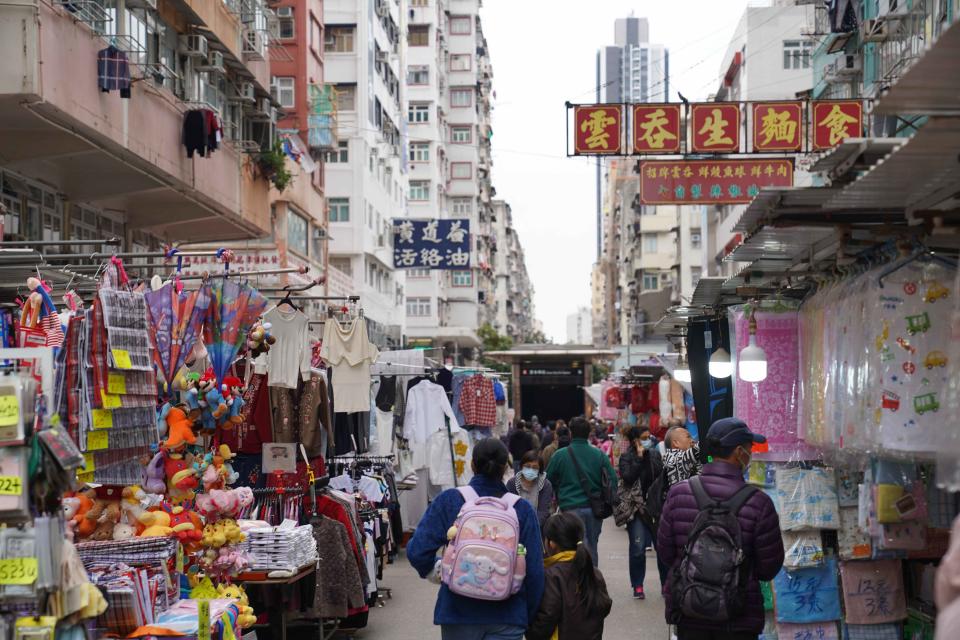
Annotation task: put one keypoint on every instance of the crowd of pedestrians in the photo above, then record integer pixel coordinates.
(715, 537)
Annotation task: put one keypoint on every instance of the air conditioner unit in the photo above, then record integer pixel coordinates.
(253, 44)
(247, 92)
(874, 30)
(383, 56)
(849, 65)
(213, 62)
(193, 45)
(284, 12)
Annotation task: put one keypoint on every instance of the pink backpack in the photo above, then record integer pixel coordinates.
(485, 558)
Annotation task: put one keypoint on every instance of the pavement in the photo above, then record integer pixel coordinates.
(409, 614)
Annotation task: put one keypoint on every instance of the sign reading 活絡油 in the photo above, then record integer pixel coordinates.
(711, 181)
(431, 244)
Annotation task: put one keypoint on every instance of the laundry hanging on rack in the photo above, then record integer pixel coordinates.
(202, 132)
(113, 71)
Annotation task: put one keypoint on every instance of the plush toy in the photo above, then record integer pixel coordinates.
(180, 428)
(106, 522)
(230, 476)
(204, 589)
(157, 523)
(214, 536)
(131, 506)
(181, 478)
(124, 531)
(162, 419)
(85, 526)
(71, 505)
(230, 561)
(233, 391)
(191, 395)
(232, 532)
(212, 404)
(259, 339)
(154, 480)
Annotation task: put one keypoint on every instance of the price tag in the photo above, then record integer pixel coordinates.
(110, 400)
(88, 462)
(102, 419)
(203, 620)
(98, 440)
(179, 558)
(117, 383)
(85, 476)
(11, 486)
(9, 411)
(121, 358)
(18, 571)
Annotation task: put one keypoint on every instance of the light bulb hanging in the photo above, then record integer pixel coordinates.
(753, 360)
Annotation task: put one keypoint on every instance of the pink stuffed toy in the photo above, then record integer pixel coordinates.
(155, 479)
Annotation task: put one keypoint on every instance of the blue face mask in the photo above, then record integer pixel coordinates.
(647, 444)
(529, 474)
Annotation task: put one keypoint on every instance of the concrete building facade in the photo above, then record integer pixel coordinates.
(513, 305)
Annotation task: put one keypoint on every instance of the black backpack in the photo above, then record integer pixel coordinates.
(710, 582)
(656, 496)
(602, 501)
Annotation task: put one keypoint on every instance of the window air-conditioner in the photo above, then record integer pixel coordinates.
(213, 62)
(284, 12)
(193, 45)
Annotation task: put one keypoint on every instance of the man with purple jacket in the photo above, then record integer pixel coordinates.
(730, 442)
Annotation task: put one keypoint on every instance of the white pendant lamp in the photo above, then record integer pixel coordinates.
(682, 372)
(720, 365)
(753, 359)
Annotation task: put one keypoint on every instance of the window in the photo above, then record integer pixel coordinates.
(418, 307)
(346, 97)
(418, 74)
(461, 135)
(650, 282)
(419, 189)
(419, 3)
(339, 39)
(341, 154)
(461, 278)
(342, 264)
(461, 170)
(297, 228)
(462, 206)
(339, 209)
(285, 23)
(460, 62)
(418, 113)
(461, 25)
(418, 274)
(649, 243)
(461, 97)
(418, 35)
(316, 35)
(695, 239)
(694, 276)
(419, 152)
(797, 53)
(283, 91)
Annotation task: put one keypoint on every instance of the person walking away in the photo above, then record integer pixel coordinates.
(703, 520)
(641, 464)
(549, 433)
(575, 600)
(576, 470)
(532, 485)
(521, 441)
(562, 440)
(682, 458)
(465, 618)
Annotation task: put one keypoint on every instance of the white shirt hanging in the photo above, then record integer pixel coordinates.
(427, 405)
(290, 355)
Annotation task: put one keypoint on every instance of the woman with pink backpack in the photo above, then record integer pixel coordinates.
(491, 569)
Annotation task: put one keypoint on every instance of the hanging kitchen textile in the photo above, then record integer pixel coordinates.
(234, 307)
(176, 320)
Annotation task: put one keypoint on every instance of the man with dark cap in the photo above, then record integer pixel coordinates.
(730, 442)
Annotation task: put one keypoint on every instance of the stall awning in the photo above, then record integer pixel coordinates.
(932, 84)
(708, 292)
(853, 154)
(786, 246)
(774, 203)
(921, 174)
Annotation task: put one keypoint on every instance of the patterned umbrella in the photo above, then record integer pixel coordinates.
(176, 319)
(234, 309)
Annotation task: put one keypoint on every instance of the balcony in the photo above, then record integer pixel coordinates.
(96, 148)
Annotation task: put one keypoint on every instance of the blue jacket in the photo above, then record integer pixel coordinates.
(431, 535)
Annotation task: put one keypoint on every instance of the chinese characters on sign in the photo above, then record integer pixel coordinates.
(711, 181)
(834, 121)
(431, 244)
(777, 126)
(598, 129)
(656, 128)
(715, 127)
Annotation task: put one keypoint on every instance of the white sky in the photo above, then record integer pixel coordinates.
(543, 54)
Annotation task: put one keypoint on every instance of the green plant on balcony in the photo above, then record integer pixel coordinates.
(273, 166)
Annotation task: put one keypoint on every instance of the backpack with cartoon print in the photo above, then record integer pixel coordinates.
(483, 558)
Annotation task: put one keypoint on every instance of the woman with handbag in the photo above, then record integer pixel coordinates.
(640, 465)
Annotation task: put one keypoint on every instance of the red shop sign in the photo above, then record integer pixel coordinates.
(598, 130)
(711, 181)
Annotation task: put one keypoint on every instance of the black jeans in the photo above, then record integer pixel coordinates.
(703, 634)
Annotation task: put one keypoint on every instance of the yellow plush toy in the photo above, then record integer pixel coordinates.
(157, 523)
(232, 531)
(204, 590)
(247, 618)
(214, 535)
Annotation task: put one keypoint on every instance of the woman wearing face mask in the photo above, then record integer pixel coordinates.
(640, 464)
(531, 484)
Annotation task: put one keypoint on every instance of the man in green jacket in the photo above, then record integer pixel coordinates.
(563, 475)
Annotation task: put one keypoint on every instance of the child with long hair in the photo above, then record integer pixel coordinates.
(575, 600)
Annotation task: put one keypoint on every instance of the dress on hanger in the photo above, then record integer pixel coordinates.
(348, 350)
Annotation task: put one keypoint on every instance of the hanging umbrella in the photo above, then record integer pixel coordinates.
(176, 319)
(233, 310)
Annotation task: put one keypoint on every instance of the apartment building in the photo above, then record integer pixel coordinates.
(88, 157)
(514, 312)
(366, 171)
(580, 327)
(449, 84)
(633, 69)
(770, 57)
